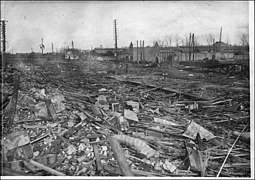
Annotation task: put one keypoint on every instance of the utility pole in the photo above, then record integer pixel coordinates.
(52, 48)
(143, 52)
(91, 48)
(220, 38)
(116, 42)
(193, 44)
(189, 46)
(72, 45)
(213, 45)
(137, 51)
(42, 46)
(3, 24)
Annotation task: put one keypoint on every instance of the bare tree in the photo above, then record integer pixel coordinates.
(154, 42)
(210, 38)
(183, 41)
(244, 39)
(165, 42)
(186, 40)
(177, 39)
(170, 39)
(227, 39)
(196, 40)
(159, 41)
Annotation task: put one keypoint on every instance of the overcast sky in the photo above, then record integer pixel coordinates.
(91, 23)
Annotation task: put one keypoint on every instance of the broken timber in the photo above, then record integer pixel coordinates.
(165, 89)
(222, 66)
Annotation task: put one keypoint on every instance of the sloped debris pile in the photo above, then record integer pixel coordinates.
(60, 120)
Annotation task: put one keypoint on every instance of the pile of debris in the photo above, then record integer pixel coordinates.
(60, 120)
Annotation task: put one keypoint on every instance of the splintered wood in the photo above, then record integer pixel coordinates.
(73, 118)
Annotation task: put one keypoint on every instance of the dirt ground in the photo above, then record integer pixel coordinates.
(88, 121)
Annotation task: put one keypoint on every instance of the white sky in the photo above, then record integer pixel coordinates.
(91, 23)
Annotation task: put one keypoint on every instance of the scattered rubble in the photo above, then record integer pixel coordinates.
(68, 120)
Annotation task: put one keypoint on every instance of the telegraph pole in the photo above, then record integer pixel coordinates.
(220, 37)
(116, 42)
(90, 52)
(72, 45)
(143, 52)
(137, 51)
(189, 46)
(3, 23)
(52, 48)
(42, 46)
(193, 48)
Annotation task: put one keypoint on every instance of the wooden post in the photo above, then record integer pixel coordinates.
(98, 161)
(193, 47)
(42, 46)
(3, 22)
(220, 38)
(137, 51)
(141, 53)
(116, 45)
(72, 45)
(189, 46)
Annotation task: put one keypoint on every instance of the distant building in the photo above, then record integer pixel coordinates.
(147, 54)
(150, 54)
(124, 54)
(218, 51)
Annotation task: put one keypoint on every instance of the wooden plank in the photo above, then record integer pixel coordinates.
(48, 169)
(98, 161)
(167, 89)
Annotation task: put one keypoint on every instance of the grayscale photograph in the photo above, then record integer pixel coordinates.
(127, 89)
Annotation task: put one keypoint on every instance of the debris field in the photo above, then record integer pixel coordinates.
(75, 118)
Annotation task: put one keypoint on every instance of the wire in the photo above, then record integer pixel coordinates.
(229, 152)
